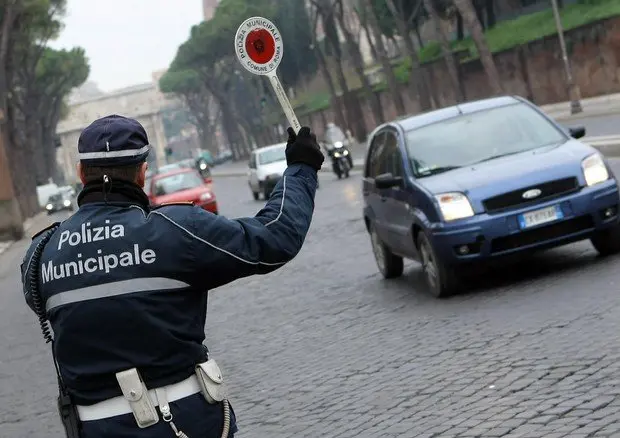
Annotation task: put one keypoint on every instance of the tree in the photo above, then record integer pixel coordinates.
(404, 12)
(337, 104)
(205, 66)
(332, 12)
(392, 83)
(431, 9)
(299, 60)
(36, 79)
(470, 18)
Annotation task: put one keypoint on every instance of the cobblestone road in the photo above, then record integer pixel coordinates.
(326, 348)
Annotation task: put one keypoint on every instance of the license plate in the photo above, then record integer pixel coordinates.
(539, 217)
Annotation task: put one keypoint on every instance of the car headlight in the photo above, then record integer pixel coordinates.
(67, 203)
(49, 206)
(594, 170)
(338, 144)
(206, 196)
(454, 206)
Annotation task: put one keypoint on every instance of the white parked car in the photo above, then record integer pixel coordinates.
(267, 165)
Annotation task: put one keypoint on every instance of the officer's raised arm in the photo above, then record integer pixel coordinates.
(228, 249)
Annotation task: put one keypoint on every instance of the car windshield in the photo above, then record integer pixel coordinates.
(55, 198)
(176, 183)
(272, 155)
(477, 137)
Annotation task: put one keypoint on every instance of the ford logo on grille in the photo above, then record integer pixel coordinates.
(531, 194)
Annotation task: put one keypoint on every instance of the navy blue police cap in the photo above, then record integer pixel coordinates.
(113, 141)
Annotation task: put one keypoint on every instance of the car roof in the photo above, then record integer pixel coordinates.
(410, 122)
(268, 148)
(174, 172)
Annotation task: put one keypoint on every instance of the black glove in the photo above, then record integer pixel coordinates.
(303, 148)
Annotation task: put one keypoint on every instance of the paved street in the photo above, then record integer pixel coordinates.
(325, 347)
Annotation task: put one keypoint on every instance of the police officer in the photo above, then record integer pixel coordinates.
(124, 286)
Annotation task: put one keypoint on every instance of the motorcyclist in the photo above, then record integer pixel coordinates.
(333, 136)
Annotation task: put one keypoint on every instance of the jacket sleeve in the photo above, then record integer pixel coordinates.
(228, 249)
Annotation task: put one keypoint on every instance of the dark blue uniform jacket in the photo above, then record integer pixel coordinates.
(126, 286)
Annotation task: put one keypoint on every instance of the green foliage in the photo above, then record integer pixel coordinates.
(59, 71)
(521, 30)
(294, 24)
(531, 27)
(180, 82)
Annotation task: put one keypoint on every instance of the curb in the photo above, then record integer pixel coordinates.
(561, 115)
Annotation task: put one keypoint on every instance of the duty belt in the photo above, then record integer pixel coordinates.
(120, 406)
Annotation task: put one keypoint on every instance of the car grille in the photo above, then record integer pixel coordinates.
(551, 189)
(542, 234)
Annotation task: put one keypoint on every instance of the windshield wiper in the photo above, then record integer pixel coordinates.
(436, 170)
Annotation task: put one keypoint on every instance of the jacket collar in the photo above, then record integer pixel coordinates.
(113, 192)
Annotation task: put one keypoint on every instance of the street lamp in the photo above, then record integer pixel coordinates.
(573, 89)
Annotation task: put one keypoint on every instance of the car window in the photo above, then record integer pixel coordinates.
(471, 138)
(272, 155)
(252, 163)
(55, 197)
(391, 156)
(176, 183)
(376, 149)
(169, 167)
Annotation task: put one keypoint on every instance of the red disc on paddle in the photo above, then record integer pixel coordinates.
(260, 46)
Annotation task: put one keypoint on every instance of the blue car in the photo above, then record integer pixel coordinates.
(479, 181)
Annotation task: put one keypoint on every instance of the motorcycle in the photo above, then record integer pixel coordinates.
(204, 169)
(342, 162)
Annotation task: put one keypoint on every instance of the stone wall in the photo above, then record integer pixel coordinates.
(534, 71)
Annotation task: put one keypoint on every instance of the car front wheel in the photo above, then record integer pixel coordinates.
(607, 242)
(389, 265)
(442, 281)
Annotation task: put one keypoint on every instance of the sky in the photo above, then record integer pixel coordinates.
(127, 40)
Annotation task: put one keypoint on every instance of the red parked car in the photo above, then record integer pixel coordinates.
(182, 185)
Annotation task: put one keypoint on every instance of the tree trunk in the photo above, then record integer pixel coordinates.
(392, 83)
(446, 50)
(470, 19)
(490, 10)
(460, 32)
(371, 44)
(341, 119)
(418, 36)
(353, 111)
(358, 64)
(479, 14)
(418, 78)
(13, 227)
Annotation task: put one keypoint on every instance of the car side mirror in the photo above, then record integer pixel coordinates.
(577, 131)
(387, 180)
